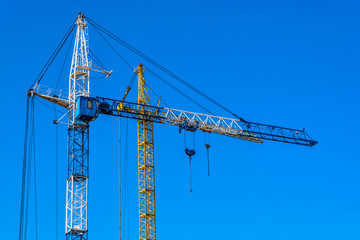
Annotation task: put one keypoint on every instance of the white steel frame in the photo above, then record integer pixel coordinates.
(76, 225)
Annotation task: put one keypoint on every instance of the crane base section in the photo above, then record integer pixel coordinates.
(77, 182)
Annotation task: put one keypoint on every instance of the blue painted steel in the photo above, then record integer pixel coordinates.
(86, 109)
(188, 127)
(71, 236)
(78, 150)
(78, 173)
(262, 131)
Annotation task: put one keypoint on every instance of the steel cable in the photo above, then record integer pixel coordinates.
(62, 67)
(126, 62)
(104, 30)
(178, 90)
(23, 185)
(53, 56)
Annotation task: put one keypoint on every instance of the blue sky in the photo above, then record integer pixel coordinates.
(287, 63)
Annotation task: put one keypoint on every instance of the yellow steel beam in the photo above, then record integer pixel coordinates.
(147, 226)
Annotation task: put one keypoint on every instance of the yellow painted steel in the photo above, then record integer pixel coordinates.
(147, 224)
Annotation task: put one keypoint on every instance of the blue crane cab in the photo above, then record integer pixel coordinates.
(86, 109)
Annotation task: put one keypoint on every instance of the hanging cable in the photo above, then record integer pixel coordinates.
(125, 44)
(185, 139)
(35, 188)
(63, 65)
(96, 59)
(126, 184)
(46, 105)
(207, 145)
(23, 185)
(152, 72)
(190, 175)
(153, 91)
(132, 80)
(178, 90)
(29, 154)
(119, 178)
(53, 56)
(114, 49)
(57, 145)
(27, 193)
(56, 174)
(190, 153)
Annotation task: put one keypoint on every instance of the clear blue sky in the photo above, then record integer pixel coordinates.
(287, 63)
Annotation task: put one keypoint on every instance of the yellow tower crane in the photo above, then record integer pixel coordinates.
(147, 223)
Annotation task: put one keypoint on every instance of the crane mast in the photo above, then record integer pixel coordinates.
(147, 224)
(76, 226)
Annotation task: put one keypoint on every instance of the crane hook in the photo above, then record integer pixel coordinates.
(190, 153)
(208, 158)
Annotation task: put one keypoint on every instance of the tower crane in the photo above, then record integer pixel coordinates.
(83, 109)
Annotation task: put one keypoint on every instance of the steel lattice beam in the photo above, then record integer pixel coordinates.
(250, 131)
(76, 225)
(147, 223)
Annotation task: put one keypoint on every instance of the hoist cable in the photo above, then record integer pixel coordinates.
(119, 178)
(207, 145)
(208, 161)
(190, 175)
(29, 152)
(126, 228)
(29, 158)
(34, 161)
(125, 44)
(53, 56)
(28, 174)
(127, 178)
(185, 139)
(56, 174)
(23, 185)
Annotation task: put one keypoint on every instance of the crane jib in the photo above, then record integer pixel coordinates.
(88, 109)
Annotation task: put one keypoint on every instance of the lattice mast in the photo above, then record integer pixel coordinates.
(147, 224)
(76, 225)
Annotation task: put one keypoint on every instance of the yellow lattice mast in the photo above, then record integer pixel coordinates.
(146, 163)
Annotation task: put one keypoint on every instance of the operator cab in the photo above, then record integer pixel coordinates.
(86, 109)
